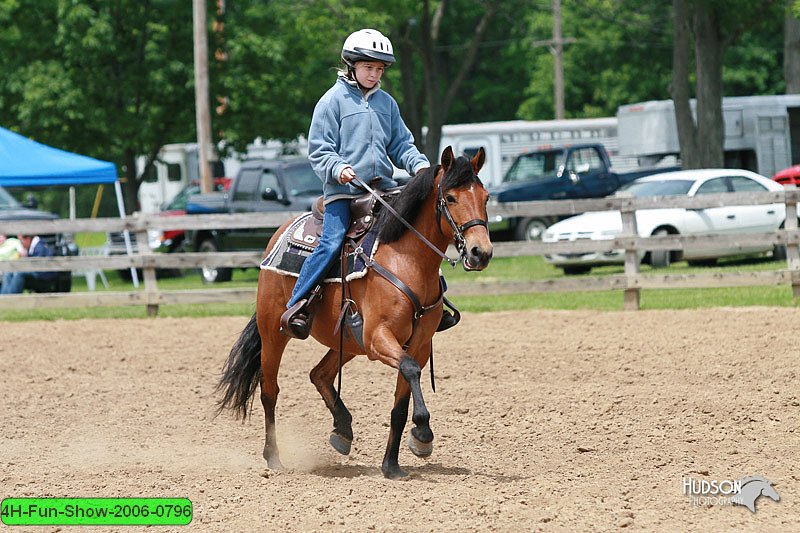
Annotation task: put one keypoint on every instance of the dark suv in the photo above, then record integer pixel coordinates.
(262, 185)
(11, 209)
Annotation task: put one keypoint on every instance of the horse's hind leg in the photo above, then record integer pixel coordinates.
(390, 467)
(322, 377)
(271, 352)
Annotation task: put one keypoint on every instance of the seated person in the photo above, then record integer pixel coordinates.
(10, 248)
(16, 282)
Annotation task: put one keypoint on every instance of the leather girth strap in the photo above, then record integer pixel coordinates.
(419, 309)
(349, 309)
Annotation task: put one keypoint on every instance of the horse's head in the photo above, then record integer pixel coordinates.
(752, 487)
(461, 202)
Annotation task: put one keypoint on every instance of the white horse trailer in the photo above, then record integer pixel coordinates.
(504, 141)
(175, 166)
(762, 133)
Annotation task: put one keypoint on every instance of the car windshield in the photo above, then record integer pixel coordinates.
(179, 202)
(658, 188)
(7, 201)
(303, 180)
(534, 166)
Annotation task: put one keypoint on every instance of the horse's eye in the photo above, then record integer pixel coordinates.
(450, 199)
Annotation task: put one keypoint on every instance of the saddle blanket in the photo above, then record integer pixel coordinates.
(288, 254)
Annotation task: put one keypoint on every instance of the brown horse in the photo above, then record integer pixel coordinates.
(445, 203)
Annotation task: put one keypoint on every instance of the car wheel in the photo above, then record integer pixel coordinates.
(660, 258)
(530, 229)
(779, 250)
(63, 282)
(574, 270)
(212, 274)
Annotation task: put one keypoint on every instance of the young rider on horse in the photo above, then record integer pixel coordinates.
(356, 130)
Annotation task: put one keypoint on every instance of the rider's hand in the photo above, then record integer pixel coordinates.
(347, 175)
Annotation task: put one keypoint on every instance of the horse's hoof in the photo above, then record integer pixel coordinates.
(275, 464)
(393, 472)
(419, 448)
(340, 444)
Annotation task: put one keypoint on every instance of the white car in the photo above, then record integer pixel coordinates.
(606, 225)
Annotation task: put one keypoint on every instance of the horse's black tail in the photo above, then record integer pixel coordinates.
(241, 373)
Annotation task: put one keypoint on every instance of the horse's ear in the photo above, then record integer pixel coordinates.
(447, 157)
(478, 160)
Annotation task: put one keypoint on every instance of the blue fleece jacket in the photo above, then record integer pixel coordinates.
(364, 132)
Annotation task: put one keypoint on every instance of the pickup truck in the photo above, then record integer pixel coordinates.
(262, 185)
(11, 209)
(575, 171)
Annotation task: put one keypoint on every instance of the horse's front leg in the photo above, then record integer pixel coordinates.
(420, 439)
(384, 347)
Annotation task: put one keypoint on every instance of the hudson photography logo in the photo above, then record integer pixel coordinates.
(744, 491)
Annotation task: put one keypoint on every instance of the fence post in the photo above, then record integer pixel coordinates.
(792, 251)
(148, 270)
(632, 295)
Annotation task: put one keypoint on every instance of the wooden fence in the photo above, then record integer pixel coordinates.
(630, 283)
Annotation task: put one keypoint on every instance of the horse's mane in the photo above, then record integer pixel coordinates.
(410, 200)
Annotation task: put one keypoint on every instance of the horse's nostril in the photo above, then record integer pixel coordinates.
(483, 256)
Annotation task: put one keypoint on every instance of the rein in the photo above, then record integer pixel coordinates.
(397, 215)
(419, 309)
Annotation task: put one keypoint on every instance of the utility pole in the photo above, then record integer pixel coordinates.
(558, 51)
(202, 104)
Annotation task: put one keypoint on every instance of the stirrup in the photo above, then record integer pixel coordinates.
(448, 321)
(296, 322)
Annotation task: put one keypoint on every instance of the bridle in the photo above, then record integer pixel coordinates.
(458, 231)
(441, 210)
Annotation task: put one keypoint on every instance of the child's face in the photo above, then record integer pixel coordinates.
(368, 73)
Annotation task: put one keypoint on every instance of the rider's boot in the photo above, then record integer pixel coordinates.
(296, 321)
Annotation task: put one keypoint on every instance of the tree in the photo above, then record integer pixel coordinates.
(281, 57)
(618, 53)
(791, 50)
(106, 79)
(712, 25)
(278, 51)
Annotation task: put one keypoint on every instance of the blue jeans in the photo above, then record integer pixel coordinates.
(334, 228)
(13, 282)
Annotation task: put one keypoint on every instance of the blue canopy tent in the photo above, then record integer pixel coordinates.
(26, 163)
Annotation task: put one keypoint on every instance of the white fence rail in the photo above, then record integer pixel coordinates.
(631, 282)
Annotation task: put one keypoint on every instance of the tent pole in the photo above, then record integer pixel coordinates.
(72, 202)
(97, 198)
(125, 233)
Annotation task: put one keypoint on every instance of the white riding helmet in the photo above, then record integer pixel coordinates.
(367, 45)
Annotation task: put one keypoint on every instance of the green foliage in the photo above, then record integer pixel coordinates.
(115, 79)
(621, 54)
(109, 80)
(282, 56)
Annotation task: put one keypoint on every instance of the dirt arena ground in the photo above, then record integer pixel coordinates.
(552, 421)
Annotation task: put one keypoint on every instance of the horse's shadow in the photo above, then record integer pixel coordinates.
(350, 471)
